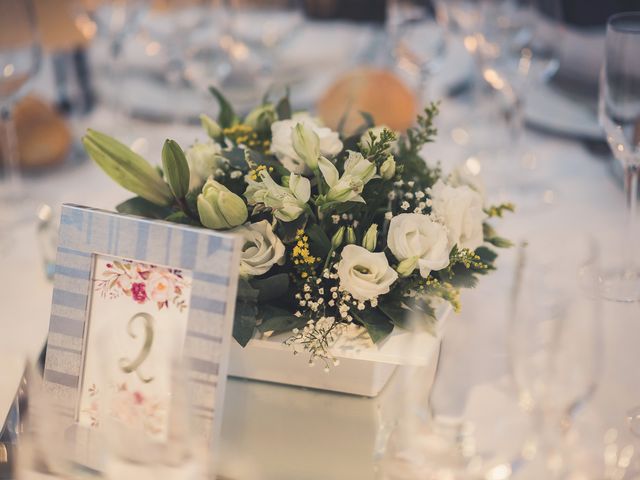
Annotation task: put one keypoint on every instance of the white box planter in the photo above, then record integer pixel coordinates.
(364, 368)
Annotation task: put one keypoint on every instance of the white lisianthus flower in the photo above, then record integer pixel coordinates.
(460, 210)
(348, 187)
(262, 249)
(282, 138)
(364, 274)
(365, 139)
(416, 236)
(287, 203)
(204, 159)
(462, 175)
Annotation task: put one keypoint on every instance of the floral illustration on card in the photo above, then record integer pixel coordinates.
(143, 283)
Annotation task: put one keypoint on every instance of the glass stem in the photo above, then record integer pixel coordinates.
(13, 179)
(631, 191)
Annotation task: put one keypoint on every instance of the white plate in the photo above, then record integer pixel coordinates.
(548, 109)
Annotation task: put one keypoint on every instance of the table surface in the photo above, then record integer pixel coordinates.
(279, 432)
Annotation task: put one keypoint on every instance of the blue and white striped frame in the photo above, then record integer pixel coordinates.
(212, 257)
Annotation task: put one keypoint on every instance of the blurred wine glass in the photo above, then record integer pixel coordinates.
(117, 21)
(555, 337)
(418, 39)
(19, 62)
(254, 31)
(619, 112)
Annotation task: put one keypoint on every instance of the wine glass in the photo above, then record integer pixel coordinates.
(555, 338)
(619, 113)
(19, 62)
(418, 39)
(253, 33)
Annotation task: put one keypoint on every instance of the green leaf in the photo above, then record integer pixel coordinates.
(227, 117)
(319, 240)
(244, 323)
(500, 242)
(127, 168)
(283, 108)
(143, 208)
(377, 324)
(271, 287)
(176, 168)
(395, 311)
(183, 218)
(278, 320)
(287, 230)
(486, 255)
(368, 119)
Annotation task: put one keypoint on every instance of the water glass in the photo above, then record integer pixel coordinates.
(619, 113)
(19, 62)
(555, 337)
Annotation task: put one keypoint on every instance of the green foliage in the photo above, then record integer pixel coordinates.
(226, 117)
(283, 107)
(244, 323)
(377, 323)
(270, 288)
(499, 210)
(425, 131)
(176, 168)
(278, 320)
(143, 208)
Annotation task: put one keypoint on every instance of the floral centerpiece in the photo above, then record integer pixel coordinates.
(337, 229)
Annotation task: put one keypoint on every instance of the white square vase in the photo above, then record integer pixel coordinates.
(365, 368)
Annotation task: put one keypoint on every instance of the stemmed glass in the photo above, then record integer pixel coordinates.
(555, 338)
(19, 62)
(418, 39)
(619, 113)
(253, 32)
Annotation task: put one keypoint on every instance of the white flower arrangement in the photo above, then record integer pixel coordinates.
(336, 229)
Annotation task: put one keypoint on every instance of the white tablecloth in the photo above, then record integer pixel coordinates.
(262, 438)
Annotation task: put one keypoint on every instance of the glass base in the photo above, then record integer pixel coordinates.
(619, 284)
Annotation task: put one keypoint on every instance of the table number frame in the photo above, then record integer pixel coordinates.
(212, 257)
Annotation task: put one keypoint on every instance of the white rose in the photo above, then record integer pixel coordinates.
(261, 250)
(204, 159)
(282, 136)
(365, 274)
(460, 209)
(413, 235)
(462, 175)
(365, 139)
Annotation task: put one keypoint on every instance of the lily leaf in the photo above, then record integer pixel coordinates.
(176, 168)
